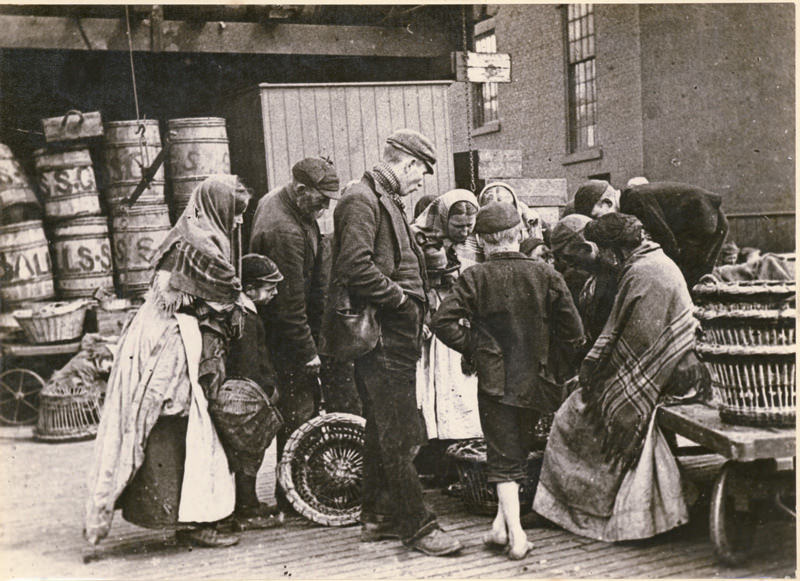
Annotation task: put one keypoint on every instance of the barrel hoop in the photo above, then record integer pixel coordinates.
(27, 246)
(27, 281)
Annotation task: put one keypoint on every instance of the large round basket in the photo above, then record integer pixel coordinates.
(321, 468)
(478, 496)
(748, 345)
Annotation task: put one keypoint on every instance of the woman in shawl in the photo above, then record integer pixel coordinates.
(448, 398)
(608, 473)
(158, 455)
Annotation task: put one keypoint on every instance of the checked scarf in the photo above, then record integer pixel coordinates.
(197, 251)
(385, 176)
(650, 329)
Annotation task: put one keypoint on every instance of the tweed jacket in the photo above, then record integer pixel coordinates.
(292, 319)
(370, 237)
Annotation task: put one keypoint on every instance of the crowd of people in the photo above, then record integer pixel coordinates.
(474, 319)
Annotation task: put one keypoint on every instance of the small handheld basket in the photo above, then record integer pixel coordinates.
(749, 347)
(478, 496)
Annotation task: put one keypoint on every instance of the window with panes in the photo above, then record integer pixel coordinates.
(485, 108)
(581, 76)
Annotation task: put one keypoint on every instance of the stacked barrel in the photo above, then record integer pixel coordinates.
(79, 231)
(26, 272)
(198, 149)
(130, 148)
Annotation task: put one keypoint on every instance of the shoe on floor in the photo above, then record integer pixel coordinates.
(374, 532)
(206, 537)
(437, 543)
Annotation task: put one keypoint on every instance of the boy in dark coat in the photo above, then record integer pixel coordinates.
(503, 314)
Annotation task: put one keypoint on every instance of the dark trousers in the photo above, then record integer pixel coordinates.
(385, 379)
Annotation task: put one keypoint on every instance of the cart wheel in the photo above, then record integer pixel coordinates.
(19, 397)
(321, 467)
(731, 530)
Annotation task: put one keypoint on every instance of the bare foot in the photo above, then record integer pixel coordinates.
(495, 538)
(520, 550)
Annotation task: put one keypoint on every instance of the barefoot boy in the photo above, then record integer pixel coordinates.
(502, 315)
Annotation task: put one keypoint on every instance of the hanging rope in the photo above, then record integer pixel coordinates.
(130, 53)
(468, 97)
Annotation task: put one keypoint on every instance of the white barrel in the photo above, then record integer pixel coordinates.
(82, 256)
(129, 150)
(67, 182)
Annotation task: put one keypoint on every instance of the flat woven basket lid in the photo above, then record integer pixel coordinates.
(745, 289)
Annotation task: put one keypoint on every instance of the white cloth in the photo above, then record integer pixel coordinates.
(208, 492)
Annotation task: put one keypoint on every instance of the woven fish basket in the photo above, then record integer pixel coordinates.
(65, 417)
(478, 495)
(748, 345)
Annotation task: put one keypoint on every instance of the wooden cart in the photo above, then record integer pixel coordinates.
(23, 372)
(759, 473)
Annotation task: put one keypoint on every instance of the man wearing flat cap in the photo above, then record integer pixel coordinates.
(285, 229)
(378, 265)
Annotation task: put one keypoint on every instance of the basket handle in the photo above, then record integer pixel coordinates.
(67, 115)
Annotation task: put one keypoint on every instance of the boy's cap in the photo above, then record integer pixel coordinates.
(496, 217)
(416, 144)
(530, 244)
(259, 269)
(319, 174)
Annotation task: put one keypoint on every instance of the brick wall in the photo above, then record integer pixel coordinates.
(718, 93)
(697, 93)
(532, 108)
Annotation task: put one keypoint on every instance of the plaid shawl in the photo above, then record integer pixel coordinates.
(197, 251)
(649, 330)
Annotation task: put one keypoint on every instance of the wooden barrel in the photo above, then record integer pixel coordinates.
(125, 158)
(82, 256)
(137, 234)
(26, 273)
(18, 201)
(67, 182)
(198, 148)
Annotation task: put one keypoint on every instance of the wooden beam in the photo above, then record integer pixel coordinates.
(56, 32)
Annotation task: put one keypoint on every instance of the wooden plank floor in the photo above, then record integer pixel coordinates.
(42, 493)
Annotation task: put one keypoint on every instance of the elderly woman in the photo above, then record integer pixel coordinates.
(447, 397)
(608, 474)
(158, 455)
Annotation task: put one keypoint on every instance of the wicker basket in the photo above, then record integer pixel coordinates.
(478, 496)
(749, 347)
(65, 417)
(52, 322)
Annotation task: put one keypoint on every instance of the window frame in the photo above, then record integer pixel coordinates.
(480, 123)
(576, 144)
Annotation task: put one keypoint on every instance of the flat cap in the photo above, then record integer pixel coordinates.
(319, 174)
(416, 144)
(496, 217)
(259, 269)
(566, 230)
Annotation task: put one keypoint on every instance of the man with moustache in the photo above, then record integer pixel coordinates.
(285, 229)
(377, 262)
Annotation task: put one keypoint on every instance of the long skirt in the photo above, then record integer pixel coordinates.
(582, 493)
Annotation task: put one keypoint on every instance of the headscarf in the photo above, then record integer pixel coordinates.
(588, 195)
(505, 186)
(432, 222)
(203, 264)
(615, 230)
